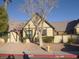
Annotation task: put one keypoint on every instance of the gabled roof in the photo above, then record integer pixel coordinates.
(49, 24)
(42, 19)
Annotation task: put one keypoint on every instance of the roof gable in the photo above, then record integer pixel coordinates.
(29, 24)
(35, 20)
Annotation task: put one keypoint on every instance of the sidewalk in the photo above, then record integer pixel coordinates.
(32, 50)
(19, 48)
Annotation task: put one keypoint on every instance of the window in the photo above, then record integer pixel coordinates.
(29, 34)
(44, 33)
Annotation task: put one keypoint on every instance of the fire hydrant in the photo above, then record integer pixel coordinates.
(48, 48)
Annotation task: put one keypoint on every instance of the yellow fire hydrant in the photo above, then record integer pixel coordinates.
(48, 48)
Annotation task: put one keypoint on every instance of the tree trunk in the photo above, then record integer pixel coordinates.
(40, 34)
(40, 39)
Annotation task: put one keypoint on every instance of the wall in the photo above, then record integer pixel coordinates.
(77, 30)
(13, 37)
(32, 27)
(49, 32)
(63, 38)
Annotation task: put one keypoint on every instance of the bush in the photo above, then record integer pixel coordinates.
(24, 39)
(36, 39)
(48, 39)
(71, 40)
(4, 36)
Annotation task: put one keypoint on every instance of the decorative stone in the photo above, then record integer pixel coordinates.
(2, 40)
(27, 41)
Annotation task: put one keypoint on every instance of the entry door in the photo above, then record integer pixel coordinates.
(29, 33)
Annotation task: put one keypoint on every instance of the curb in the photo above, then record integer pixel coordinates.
(43, 55)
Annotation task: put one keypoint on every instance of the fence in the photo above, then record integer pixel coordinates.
(64, 38)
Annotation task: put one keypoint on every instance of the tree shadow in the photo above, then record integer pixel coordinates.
(44, 48)
(71, 49)
(25, 56)
(70, 29)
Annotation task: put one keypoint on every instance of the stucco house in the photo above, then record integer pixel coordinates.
(29, 30)
(77, 28)
(14, 32)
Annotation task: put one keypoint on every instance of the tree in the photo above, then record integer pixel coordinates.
(6, 2)
(43, 8)
(3, 20)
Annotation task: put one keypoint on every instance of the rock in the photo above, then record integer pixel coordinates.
(2, 40)
(27, 41)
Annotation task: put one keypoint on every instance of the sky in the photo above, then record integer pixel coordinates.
(65, 10)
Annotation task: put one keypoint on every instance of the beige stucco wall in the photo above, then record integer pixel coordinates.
(49, 29)
(36, 19)
(49, 32)
(2, 40)
(64, 38)
(31, 25)
(45, 26)
(57, 38)
(24, 35)
(77, 30)
(13, 37)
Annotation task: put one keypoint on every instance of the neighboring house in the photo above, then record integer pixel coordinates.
(14, 32)
(13, 37)
(71, 27)
(29, 29)
(77, 28)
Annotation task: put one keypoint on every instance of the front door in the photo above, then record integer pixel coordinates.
(29, 34)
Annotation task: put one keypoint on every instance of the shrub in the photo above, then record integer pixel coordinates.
(4, 36)
(23, 39)
(48, 39)
(71, 40)
(36, 39)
